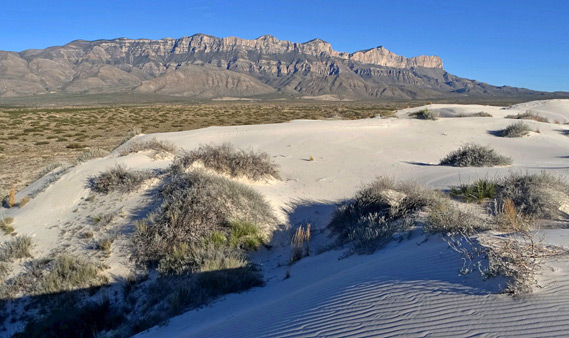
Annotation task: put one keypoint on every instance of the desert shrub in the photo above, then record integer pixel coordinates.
(378, 211)
(158, 146)
(528, 115)
(518, 129)
(119, 179)
(16, 248)
(103, 220)
(228, 160)
(446, 217)
(90, 154)
(479, 114)
(47, 169)
(6, 225)
(473, 155)
(300, 243)
(426, 114)
(475, 192)
(194, 206)
(68, 273)
(534, 195)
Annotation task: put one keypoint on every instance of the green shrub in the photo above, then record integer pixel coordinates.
(476, 192)
(195, 206)
(473, 155)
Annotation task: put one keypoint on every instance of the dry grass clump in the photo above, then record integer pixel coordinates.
(448, 218)
(377, 212)
(528, 115)
(426, 114)
(24, 201)
(474, 155)
(68, 273)
(159, 147)
(534, 195)
(196, 205)
(518, 129)
(12, 197)
(228, 160)
(90, 154)
(300, 243)
(6, 225)
(16, 248)
(119, 179)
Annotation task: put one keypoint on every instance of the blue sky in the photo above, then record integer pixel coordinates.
(522, 43)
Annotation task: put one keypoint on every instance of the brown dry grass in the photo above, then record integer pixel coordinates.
(33, 138)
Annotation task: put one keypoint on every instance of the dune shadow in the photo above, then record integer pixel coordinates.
(421, 164)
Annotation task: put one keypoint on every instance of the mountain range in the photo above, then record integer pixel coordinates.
(207, 67)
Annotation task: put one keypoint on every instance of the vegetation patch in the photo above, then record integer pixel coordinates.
(16, 248)
(377, 212)
(6, 225)
(119, 179)
(426, 114)
(473, 155)
(528, 115)
(159, 147)
(477, 191)
(518, 129)
(228, 160)
(68, 273)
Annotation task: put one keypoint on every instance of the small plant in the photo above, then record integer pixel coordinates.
(447, 218)
(518, 129)
(311, 158)
(473, 155)
(90, 154)
(478, 191)
(118, 179)
(24, 201)
(6, 225)
(130, 134)
(68, 273)
(244, 235)
(300, 243)
(16, 248)
(105, 245)
(528, 115)
(103, 219)
(12, 197)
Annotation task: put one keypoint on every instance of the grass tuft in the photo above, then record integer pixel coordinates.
(16, 248)
(118, 179)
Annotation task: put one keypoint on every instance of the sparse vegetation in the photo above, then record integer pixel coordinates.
(477, 191)
(300, 243)
(518, 129)
(377, 212)
(159, 147)
(426, 114)
(68, 273)
(448, 218)
(195, 207)
(228, 160)
(16, 248)
(528, 115)
(24, 201)
(119, 179)
(6, 225)
(473, 155)
(90, 154)
(479, 114)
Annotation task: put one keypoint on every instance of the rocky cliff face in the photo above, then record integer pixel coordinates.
(204, 66)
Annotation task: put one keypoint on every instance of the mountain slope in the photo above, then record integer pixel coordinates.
(204, 66)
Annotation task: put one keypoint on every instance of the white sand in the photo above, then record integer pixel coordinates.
(405, 289)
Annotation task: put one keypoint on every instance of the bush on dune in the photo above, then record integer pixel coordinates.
(473, 155)
(228, 160)
(516, 130)
(119, 179)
